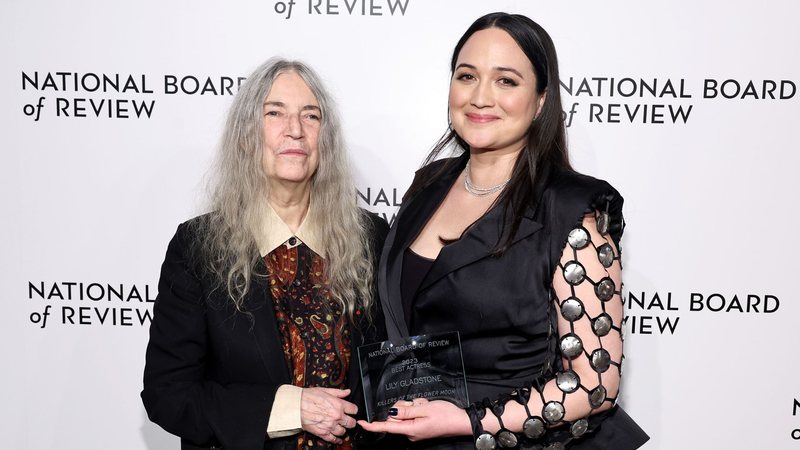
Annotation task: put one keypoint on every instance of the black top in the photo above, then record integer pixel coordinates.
(415, 267)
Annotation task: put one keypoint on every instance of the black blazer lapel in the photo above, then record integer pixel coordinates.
(265, 331)
(477, 243)
(411, 218)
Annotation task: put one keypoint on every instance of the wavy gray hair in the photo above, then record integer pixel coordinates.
(239, 192)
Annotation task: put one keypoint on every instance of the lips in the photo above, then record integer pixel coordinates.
(293, 152)
(481, 118)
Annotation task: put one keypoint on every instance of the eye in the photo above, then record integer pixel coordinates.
(313, 116)
(465, 77)
(272, 113)
(505, 81)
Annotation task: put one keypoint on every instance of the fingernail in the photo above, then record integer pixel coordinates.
(392, 411)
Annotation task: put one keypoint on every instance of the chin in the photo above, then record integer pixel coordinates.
(292, 177)
(480, 144)
(478, 139)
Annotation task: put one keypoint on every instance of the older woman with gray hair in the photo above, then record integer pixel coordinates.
(263, 301)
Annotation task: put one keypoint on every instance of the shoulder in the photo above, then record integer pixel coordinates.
(427, 174)
(569, 195)
(436, 166)
(376, 228)
(441, 166)
(187, 242)
(577, 188)
(192, 230)
(376, 225)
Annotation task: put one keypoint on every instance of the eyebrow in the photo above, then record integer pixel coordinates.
(499, 68)
(283, 105)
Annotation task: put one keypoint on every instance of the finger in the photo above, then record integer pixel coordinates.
(349, 408)
(348, 422)
(408, 412)
(325, 435)
(374, 426)
(339, 430)
(332, 438)
(397, 427)
(339, 393)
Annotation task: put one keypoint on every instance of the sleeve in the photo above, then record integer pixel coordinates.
(587, 295)
(588, 312)
(177, 395)
(284, 419)
(370, 326)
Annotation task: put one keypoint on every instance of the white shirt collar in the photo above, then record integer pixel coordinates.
(274, 232)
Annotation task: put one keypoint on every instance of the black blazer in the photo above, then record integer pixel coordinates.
(500, 305)
(211, 373)
(566, 197)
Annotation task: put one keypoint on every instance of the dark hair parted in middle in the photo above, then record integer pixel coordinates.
(546, 147)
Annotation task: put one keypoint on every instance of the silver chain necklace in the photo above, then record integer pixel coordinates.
(479, 191)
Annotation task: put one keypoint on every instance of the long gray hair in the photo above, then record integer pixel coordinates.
(239, 192)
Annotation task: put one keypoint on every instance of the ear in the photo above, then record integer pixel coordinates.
(540, 105)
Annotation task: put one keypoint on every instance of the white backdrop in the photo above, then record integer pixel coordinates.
(91, 202)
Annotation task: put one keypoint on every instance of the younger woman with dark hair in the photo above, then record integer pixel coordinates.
(511, 247)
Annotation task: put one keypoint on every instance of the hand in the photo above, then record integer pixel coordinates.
(423, 419)
(325, 413)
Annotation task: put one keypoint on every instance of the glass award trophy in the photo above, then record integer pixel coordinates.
(428, 366)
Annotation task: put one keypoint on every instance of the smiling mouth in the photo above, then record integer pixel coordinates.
(481, 118)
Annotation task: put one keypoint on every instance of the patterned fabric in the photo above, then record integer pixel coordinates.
(316, 342)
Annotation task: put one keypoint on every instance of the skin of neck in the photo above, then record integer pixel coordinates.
(489, 168)
(290, 201)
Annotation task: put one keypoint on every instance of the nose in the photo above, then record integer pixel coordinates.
(482, 95)
(294, 128)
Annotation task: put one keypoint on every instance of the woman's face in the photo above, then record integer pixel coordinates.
(292, 119)
(493, 97)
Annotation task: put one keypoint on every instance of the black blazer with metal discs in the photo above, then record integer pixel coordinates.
(500, 305)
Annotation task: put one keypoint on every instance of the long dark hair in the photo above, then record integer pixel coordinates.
(547, 143)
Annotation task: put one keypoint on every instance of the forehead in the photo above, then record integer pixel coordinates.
(290, 88)
(493, 47)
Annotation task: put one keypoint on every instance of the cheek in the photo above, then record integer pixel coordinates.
(456, 97)
(270, 136)
(313, 146)
(523, 106)
(268, 162)
(312, 137)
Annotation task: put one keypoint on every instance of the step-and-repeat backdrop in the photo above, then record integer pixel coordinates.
(111, 114)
